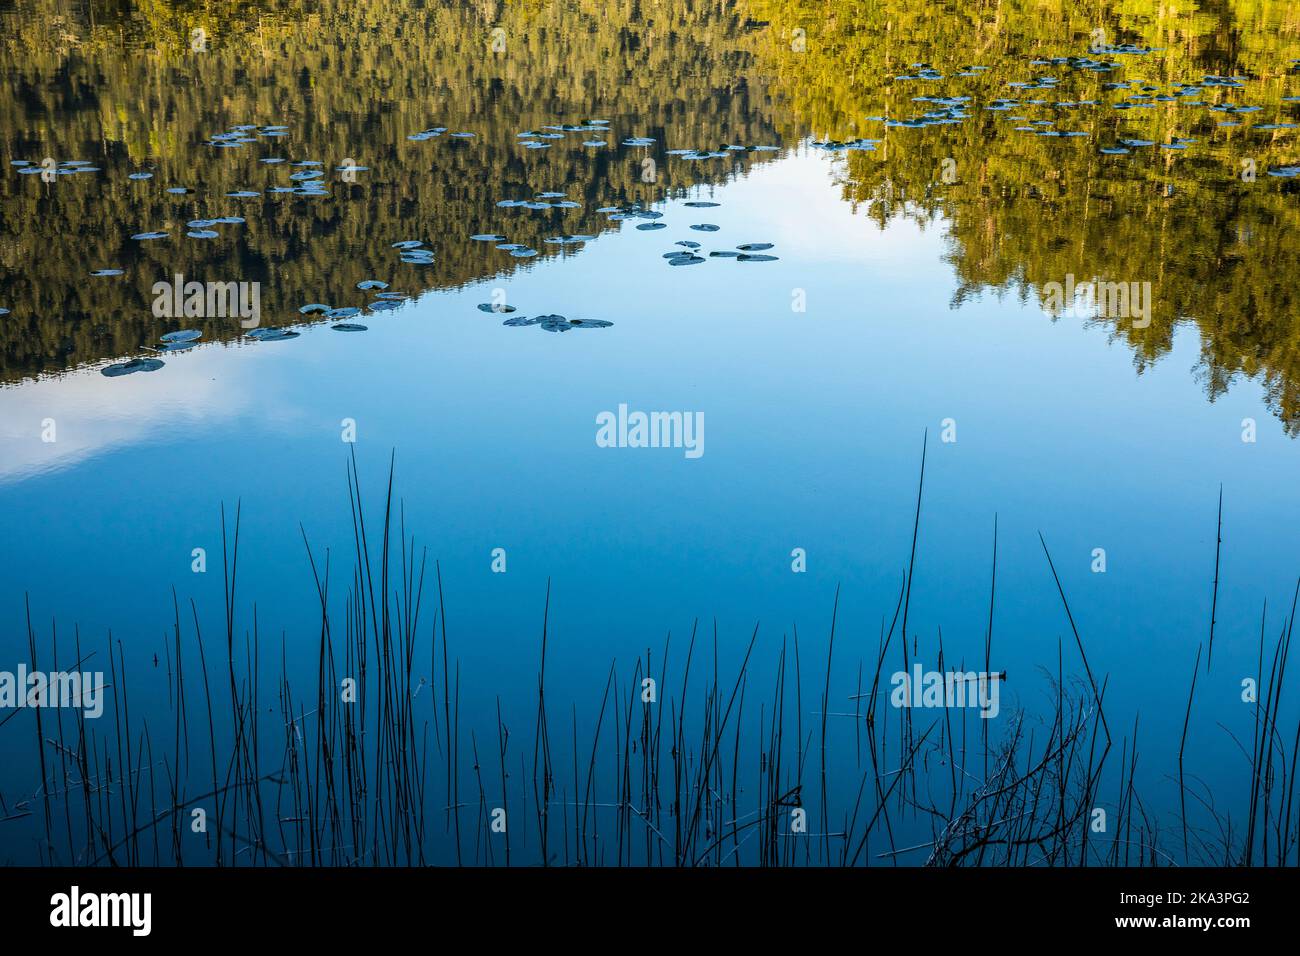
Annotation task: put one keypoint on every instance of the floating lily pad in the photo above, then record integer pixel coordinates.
(149, 235)
(408, 244)
(181, 335)
(140, 176)
(118, 369)
(384, 305)
(99, 273)
(488, 237)
(494, 307)
(348, 327)
(273, 335)
(686, 259)
(651, 226)
(706, 227)
(346, 312)
(367, 284)
(754, 246)
(522, 320)
(315, 307)
(747, 257)
(202, 234)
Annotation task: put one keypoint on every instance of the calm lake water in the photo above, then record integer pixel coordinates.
(930, 181)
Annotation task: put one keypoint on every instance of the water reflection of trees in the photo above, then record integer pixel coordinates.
(352, 80)
(1026, 210)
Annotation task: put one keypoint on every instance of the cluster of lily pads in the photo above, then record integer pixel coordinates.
(547, 200)
(244, 134)
(838, 145)
(413, 252)
(384, 301)
(1137, 94)
(69, 167)
(547, 323)
(531, 139)
(688, 254)
(198, 229)
(722, 152)
(177, 341)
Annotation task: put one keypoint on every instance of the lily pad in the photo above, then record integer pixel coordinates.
(118, 369)
(273, 335)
